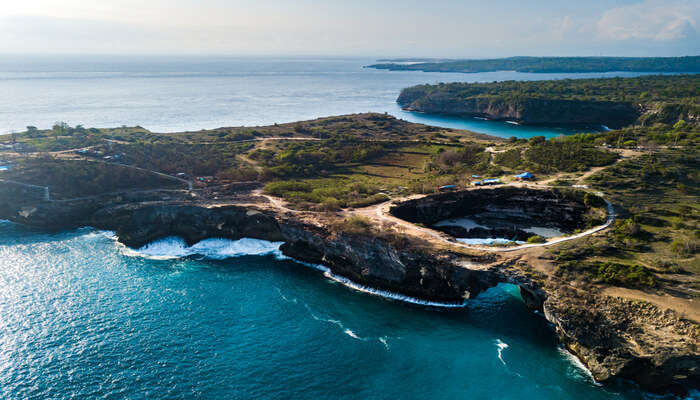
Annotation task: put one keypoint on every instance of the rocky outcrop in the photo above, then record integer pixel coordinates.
(614, 338)
(618, 338)
(367, 260)
(561, 209)
(529, 111)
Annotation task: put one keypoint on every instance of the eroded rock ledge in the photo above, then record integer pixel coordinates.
(613, 337)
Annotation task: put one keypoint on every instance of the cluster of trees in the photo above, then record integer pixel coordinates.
(77, 178)
(174, 157)
(555, 155)
(328, 194)
(554, 64)
(309, 159)
(683, 89)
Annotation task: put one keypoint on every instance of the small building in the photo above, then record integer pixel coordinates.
(447, 188)
(476, 176)
(524, 176)
(491, 181)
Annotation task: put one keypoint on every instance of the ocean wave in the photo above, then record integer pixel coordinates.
(500, 346)
(488, 241)
(580, 366)
(215, 248)
(387, 294)
(218, 249)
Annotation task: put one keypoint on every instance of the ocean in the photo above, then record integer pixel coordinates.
(83, 317)
(177, 94)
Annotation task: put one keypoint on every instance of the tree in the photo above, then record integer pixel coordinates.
(59, 127)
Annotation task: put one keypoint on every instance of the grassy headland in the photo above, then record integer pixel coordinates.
(548, 64)
(616, 102)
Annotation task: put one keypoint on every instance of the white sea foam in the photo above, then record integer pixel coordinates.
(175, 247)
(577, 363)
(500, 346)
(466, 223)
(352, 334)
(217, 249)
(387, 294)
(488, 241)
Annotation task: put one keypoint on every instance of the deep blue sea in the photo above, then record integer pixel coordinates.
(83, 317)
(177, 94)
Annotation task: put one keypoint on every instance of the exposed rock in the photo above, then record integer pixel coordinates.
(613, 337)
(561, 209)
(533, 111)
(618, 338)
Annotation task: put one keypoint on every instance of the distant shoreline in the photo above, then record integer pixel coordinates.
(688, 64)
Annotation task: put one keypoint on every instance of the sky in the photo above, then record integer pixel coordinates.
(388, 28)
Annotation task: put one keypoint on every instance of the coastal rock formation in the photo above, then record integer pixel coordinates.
(613, 337)
(564, 210)
(529, 111)
(618, 338)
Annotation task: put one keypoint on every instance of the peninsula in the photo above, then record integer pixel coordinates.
(613, 102)
(546, 64)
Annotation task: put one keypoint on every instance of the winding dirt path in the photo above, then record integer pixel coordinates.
(381, 212)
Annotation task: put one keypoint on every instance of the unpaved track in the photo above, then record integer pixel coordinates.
(381, 212)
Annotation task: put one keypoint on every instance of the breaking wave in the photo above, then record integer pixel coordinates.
(217, 249)
(577, 363)
(378, 292)
(500, 345)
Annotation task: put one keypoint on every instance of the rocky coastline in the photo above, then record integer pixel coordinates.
(524, 111)
(613, 338)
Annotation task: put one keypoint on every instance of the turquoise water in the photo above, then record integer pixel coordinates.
(178, 94)
(84, 318)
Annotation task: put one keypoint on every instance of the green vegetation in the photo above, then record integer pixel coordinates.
(557, 155)
(536, 239)
(355, 225)
(553, 64)
(647, 89)
(611, 273)
(614, 101)
(77, 178)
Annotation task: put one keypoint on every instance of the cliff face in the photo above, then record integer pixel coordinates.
(528, 206)
(618, 338)
(614, 338)
(533, 111)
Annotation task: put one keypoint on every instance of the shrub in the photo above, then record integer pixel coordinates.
(536, 239)
(625, 275)
(330, 204)
(684, 247)
(355, 225)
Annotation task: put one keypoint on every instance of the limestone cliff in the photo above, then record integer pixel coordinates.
(524, 110)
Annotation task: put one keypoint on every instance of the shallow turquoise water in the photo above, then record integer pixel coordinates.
(177, 94)
(82, 318)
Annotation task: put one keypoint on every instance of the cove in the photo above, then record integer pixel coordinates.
(83, 319)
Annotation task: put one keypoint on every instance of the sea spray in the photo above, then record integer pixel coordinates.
(218, 249)
(577, 363)
(215, 248)
(500, 346)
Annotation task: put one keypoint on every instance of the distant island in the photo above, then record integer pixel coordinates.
(546, 64)
(614, 102)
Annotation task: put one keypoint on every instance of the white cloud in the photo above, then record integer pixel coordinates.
(651, 20)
